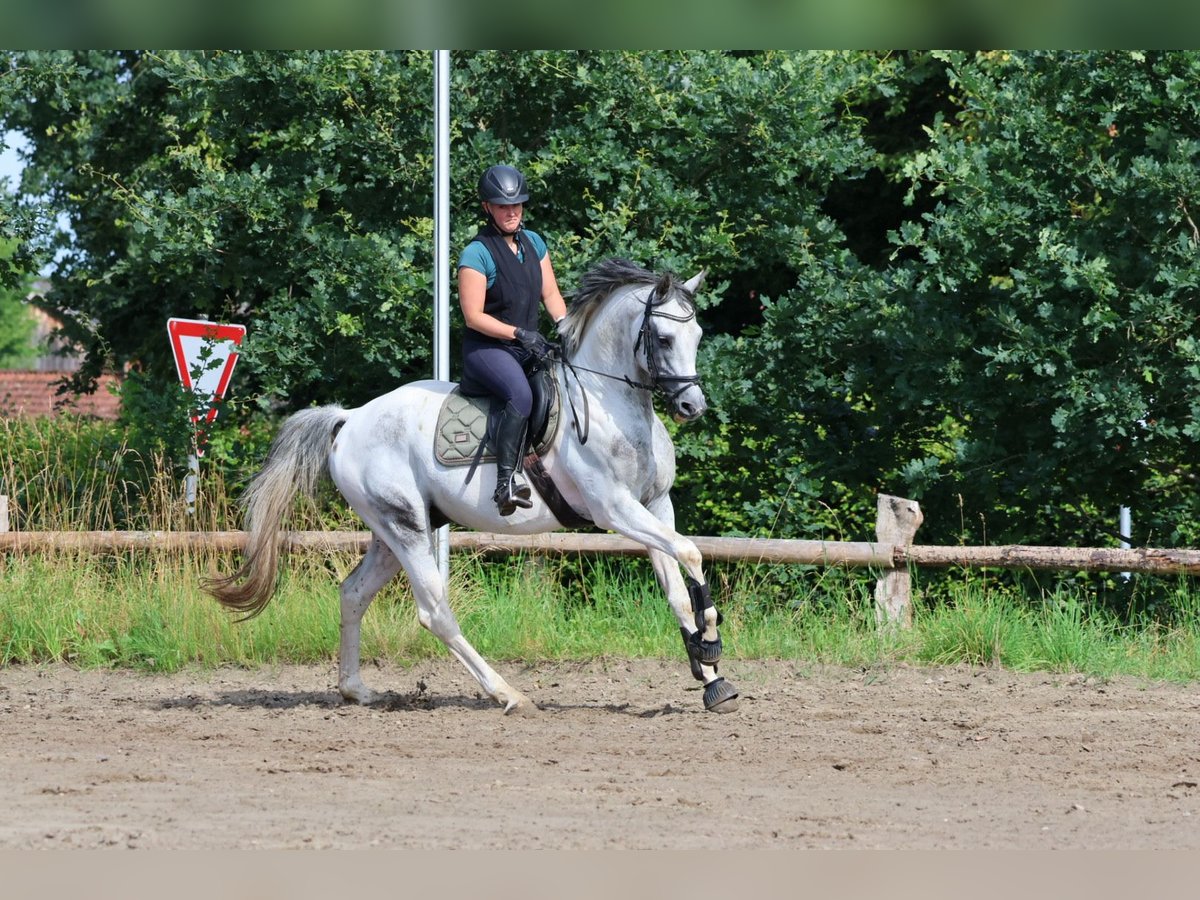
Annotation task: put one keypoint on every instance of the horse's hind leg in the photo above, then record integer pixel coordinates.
(377, 568)
(415, 551)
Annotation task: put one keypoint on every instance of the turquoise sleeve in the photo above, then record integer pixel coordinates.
(539, 245)
(476, 256)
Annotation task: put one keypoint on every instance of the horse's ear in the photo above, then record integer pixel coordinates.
(693, 284)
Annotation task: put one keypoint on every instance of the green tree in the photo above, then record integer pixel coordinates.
(1058, 272)
(287, 190)
(17, 229)
(1017, 350)
(291, 190)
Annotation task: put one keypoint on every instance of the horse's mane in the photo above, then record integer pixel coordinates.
(599, 283)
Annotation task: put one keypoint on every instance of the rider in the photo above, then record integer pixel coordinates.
(503, 273)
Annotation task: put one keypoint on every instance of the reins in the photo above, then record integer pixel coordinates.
(658, 383)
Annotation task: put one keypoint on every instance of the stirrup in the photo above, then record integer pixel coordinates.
(520, 488)
(508, 498)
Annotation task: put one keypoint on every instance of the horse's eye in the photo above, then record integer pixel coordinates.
(664, 341)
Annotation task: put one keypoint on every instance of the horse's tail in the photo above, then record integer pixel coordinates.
(298, 458)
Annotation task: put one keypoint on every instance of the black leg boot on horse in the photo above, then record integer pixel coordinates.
(511, 490)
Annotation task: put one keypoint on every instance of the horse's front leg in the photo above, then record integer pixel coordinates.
(689, 596)
(698, 625)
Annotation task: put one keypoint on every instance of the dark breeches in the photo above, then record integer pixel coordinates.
(496, 370)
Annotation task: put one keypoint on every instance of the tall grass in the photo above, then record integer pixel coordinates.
(146, 609)
(78, 474)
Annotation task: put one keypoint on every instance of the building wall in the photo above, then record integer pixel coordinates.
(34, 392)
(31, 394)
(45, 339)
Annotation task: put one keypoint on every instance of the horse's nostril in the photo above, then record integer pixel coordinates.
(688, 410)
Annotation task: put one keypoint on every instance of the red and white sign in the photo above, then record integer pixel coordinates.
(205, 354)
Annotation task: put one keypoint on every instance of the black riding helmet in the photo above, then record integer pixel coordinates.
(503, 185)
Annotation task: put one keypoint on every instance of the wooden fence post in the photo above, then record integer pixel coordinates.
(896, 523)
(3, 513)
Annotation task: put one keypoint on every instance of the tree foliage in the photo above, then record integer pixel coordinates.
(963, 277)
(17, 230)
(1059, 270)
(282, 189)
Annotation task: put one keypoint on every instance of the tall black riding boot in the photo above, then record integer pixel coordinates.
(511, 489)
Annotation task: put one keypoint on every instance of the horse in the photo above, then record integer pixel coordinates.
(629, 334)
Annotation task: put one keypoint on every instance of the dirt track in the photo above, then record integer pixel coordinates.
(621, 756)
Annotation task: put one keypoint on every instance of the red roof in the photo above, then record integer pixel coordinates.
(33, 394)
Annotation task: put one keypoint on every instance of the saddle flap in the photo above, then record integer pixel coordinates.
(462, 424)
(461, 427)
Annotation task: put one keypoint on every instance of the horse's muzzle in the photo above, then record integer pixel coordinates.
(689, 405)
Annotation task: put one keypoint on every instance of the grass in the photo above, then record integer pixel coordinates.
(148, 611)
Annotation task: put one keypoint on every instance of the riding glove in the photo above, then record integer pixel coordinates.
(534, 343)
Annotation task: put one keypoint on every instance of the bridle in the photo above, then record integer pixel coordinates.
(659, 383)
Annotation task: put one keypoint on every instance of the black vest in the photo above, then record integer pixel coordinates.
(516, 294)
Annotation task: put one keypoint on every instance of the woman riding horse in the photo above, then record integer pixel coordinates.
(502, 275)
(630, 335)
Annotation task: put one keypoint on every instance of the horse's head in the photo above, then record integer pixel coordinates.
(643, 324)
(666, 345)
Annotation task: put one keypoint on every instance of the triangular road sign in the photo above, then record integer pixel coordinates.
(205, 354)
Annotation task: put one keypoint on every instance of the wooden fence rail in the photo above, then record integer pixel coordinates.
(892, 557)
(811, 553)
(1149, 560)
(751, 549)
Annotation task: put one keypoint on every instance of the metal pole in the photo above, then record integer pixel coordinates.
(1125, 527)
(441, 251)
(189, 484)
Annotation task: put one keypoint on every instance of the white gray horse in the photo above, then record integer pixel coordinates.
(628, 334)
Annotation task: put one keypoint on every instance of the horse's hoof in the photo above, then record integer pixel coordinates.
(720, 696)
(520, 706)
(358, 693)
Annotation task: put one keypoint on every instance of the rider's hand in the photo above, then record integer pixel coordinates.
(534, 343)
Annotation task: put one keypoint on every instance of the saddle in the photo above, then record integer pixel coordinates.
(465, 426)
